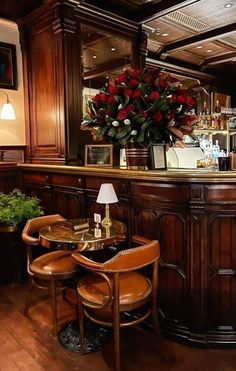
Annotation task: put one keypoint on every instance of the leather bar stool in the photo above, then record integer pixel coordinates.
(116, 287)
(51, 270)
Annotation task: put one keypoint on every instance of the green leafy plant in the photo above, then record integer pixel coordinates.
(15, 207)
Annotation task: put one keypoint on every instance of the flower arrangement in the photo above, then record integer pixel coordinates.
(141, 107)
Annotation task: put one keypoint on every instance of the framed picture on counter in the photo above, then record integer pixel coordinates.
(99, 155)
(158, 157)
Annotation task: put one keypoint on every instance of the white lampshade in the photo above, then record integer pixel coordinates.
(7, 112)
(107, 194)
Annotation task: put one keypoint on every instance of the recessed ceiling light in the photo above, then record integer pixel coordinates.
(94, 56)
(209, 50)
(199, 47)
(228, 5)
(113, 49)
(164, 34)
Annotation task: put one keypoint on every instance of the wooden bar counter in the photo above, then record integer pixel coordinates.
(192, 214)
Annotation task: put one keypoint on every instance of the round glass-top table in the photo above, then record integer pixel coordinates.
(83, 234)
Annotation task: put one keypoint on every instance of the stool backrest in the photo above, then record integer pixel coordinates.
(34, 225)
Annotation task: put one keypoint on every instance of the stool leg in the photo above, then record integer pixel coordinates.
(29, 295)
(116, 322)
(54, 307)
(81, 325)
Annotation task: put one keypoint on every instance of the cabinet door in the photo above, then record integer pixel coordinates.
(221, 273)
(38, 185)
(159, 212)
(68, 195)
(68, 204)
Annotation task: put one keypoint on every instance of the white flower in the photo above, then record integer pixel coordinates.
(127, 122)
(134, 132)
(115, 123)
(120, 107)
(84, 122)
(179, 109)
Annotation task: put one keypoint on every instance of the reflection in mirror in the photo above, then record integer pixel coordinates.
(104, 55)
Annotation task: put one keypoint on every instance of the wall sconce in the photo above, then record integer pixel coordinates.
(7, 112)
(107, 196)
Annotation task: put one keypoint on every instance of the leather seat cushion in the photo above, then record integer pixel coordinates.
(133, 288)
(54, 263)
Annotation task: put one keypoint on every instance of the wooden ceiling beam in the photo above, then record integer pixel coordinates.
(198, 38)
(159, 8)
(218, 59)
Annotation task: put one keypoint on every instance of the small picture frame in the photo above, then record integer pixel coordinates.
(8, 68)
(99, 155)
(158, 157)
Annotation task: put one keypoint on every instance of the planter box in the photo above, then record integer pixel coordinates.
(13, 266)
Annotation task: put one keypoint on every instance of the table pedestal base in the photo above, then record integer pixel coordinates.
(95, 337)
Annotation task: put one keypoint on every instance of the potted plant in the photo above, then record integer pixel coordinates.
(15, 209)
(141, 107)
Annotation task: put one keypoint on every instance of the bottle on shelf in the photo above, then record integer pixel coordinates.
(216, 116)
(217, 108)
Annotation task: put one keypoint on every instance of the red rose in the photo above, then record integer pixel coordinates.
(103, 97)
(135, 73)
(190, 101)
(133, 84)
(111, 100)
(128, 92)
(122, 114)
(162, 84)
(157, 117)
(113, 89)
(154, 95)
(130, 108)
(122, 78)
(180, 99)
(97, 98)
(136, 94)
(108, 112)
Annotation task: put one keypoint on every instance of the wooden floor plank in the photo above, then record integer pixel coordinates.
(27, 344)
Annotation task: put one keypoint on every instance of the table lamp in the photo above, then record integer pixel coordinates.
(107, 196)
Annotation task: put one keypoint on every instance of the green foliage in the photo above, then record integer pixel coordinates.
(15, 207)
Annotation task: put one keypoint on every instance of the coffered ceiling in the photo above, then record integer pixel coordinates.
(199, 34)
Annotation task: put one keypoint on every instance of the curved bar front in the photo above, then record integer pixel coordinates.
(191, 213)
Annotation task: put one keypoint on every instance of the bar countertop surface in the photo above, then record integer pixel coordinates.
(176, 175)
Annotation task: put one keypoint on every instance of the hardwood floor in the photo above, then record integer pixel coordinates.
(26, 344)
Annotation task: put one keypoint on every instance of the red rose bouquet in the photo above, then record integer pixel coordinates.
(140, 107)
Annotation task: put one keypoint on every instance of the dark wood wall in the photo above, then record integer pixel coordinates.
(53, 76)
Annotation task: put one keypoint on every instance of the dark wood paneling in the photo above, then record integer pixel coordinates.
(195, 224)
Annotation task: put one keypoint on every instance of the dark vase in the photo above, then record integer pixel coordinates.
(137, 157)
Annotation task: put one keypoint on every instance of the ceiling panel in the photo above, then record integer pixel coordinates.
(196, 19)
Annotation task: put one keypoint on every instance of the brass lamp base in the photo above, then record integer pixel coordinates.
(107, 221)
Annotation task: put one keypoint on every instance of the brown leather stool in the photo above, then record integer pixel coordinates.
(115, 287)
(49, 270)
